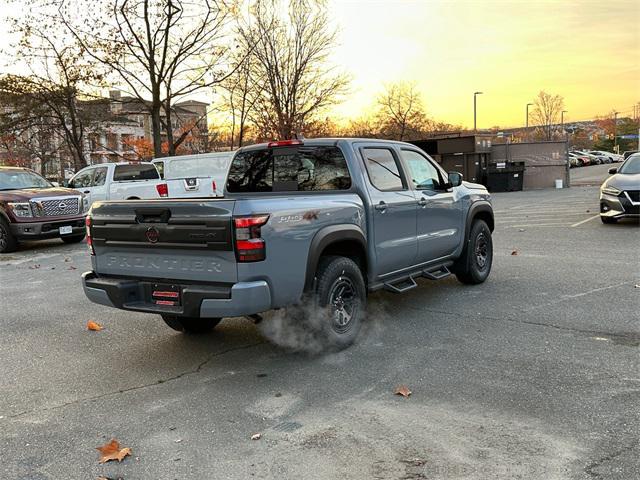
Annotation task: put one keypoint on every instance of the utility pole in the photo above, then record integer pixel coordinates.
(475, 126)
(562, 120)
(615, 131)
(527, 121)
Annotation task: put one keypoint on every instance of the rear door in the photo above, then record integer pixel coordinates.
(98, 184)
(174, 240)
(439, 213)
(393, 209)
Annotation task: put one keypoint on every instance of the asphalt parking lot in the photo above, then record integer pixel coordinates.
(533, 375)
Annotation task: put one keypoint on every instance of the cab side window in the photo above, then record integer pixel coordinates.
(82, 180)
(382, 169)
(424, 175)
(99, 176)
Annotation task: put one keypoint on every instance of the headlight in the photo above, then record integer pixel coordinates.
(22, 210)
(85, 204)
(611, 191)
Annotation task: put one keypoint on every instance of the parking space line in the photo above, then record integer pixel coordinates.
(585, 221)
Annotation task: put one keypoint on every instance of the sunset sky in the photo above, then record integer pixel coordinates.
(586, 51)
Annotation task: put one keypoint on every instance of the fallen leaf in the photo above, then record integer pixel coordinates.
(515, 252)
(521, 230)
(71, 267)
(256, 436)
(588, 211)
(112, 451)
(638, 285)
(37, 265)
(67, 259)
(402, 390)
(93, 326)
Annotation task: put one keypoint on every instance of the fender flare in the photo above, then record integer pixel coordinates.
(325, 237)
(474, 209)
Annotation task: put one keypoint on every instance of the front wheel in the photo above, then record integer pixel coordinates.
(73, 238)
(474, 265)
(8, 242)
(191, 324)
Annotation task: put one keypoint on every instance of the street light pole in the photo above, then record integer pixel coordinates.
(562, 120)
(615, 131)
(475, 125)
(527, 121)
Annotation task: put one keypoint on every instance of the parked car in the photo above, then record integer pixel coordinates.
(602, 158)
(200, 175)
(614, 157)
(575, 161)
(316, 222)
(628, 153)
(620, 193)
(594, 159)
(119, 181)
(584, 159)
(31, 208)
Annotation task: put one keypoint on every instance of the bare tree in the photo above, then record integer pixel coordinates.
(160, 50)
(58, 71)
(400, 112)
(291, 54)
(546, 112)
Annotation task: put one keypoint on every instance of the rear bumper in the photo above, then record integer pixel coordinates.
(42, 230)
(198, 300)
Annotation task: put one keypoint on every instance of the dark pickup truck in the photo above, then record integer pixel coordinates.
(314, 223)
(31, 208)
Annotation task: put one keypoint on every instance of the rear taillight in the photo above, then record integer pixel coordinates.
(215, 188)
(250, 246)
(163, 189)
(87, 224)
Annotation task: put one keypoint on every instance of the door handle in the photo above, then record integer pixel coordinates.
(423, 202)
(87, 191)
(381, 207)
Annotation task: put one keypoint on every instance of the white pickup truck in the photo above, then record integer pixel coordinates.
(195, 176)
(119, 181)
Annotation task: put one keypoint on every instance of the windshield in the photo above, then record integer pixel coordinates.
(631, 166)
(20, 179)
(197, 167)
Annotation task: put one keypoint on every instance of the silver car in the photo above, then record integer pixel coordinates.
(620, 193)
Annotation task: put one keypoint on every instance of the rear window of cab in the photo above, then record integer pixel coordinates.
(128, 173)
(289, 169)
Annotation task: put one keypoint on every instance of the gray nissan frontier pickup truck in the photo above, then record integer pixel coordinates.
(312, 224)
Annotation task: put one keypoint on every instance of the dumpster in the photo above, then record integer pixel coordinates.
(505, 177)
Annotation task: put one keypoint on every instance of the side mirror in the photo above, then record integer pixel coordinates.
(613, 171)
(455, 179)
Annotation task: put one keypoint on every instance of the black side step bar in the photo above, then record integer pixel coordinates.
(401, 286)
(408, 283)
(438, 274)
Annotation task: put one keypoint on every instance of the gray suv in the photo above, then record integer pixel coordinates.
(314, 224)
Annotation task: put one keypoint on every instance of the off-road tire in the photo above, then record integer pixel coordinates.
(8, 243)
(73, 238)
(341, 299)
(191, 324)
(474, 265)
(608, 220)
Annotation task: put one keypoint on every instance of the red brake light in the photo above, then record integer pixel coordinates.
(284, 143)
(87, 224)
(250, 246)
(163, 189)
(215, 187)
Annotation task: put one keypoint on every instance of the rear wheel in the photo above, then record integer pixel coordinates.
(191, 324)
(474, 265)
(608, 220)
(341, 298)
(73, 238)
(8, 243)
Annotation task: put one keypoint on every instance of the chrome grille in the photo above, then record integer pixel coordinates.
(55, 207)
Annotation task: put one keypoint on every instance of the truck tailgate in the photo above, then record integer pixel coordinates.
(165, 239)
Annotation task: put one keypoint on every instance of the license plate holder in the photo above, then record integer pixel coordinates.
(166, 294)
(65, 230)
